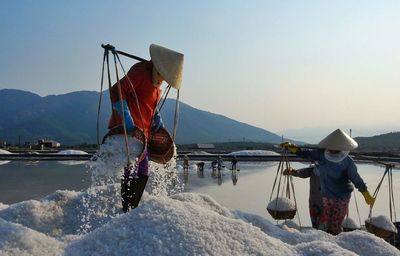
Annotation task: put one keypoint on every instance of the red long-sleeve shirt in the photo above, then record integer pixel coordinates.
(140, 77)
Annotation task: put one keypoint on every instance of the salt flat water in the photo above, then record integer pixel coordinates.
(21, 181)
(253, 188)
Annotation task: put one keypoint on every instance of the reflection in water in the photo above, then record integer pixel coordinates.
(72, 162)
(220, 180)
(4, 162)
(214, 173)
(200, 169)
(185, 176)
(234, 177)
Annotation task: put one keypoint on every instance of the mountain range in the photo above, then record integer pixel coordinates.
(71, 119)
(389, 142)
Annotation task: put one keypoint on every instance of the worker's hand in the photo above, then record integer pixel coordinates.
(289, 171)
(368, 198)
(157, 121)
(129, 123)
(292, 148)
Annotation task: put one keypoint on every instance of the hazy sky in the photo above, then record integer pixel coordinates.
(274, 64)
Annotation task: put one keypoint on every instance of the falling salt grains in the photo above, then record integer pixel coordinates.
(110, 159)
(382, 222)
(164, 179)
(281, 204)
(106, 168)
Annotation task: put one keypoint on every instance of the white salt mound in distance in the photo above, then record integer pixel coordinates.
(254, 152)
(4, 152)
(350, 224)
(382, 222)
(3, 206)
(72, 152)
(281, 204)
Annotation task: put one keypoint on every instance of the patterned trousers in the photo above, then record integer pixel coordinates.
(334, 211)
(315, 215)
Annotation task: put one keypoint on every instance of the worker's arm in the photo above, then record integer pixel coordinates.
(157, 121)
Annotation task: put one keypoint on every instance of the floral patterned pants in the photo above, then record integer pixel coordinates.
(334, 211)
(315, 215)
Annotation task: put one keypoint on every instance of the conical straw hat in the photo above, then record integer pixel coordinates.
(338, 140)
(169, 63)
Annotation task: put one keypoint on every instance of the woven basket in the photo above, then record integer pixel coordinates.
(282, 215)
(382, 233)
(160, 146)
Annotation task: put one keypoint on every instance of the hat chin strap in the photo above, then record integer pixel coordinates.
(336, 158)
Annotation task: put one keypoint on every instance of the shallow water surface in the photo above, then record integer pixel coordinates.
(254, 186)
(21, 181)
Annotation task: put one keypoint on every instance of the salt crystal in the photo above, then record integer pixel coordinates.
(4, 152)
(281, 204)
(350, 223)
(291, 225)
(382, 222)
(72, 152)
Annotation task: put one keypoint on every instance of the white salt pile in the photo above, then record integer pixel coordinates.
(3, 206)
(15, 239)
(183, 224)
(349, 223)
(290, 224)
(72, 152)
(281, 204)
(254, 152)
(4, 152)
(199, 153)
(382, 222)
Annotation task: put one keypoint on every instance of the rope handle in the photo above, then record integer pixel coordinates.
(288, 183)
(133, 89)
(375, 194)
(123, 112)
(111, 48)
